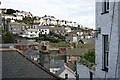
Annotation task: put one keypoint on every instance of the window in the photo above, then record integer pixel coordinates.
(66, 76)
(105, 6)
(45, 32)
(105, 53)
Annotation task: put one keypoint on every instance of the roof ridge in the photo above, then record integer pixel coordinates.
(28, 49)
(70, 70)
(43, 68)
(40, 66)
(66, 67)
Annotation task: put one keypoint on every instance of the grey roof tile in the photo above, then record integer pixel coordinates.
(17, 65)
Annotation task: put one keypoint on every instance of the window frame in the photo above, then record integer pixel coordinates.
(105, 54)
(105, 6)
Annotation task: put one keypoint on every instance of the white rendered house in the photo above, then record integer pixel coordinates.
(44, 29)
(30, 33)
(108, 40)
(66, 73)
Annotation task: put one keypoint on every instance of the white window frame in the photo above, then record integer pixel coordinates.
(105, 6)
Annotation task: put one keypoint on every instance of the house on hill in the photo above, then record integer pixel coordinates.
(43, 29)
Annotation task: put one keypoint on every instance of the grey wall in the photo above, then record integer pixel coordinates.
(104, 22)
(83, 71)
(119, 39)
(0, 65)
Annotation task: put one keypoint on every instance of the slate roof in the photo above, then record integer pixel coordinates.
(43, 27)
(63, 68)
(31, 52)
(60, 71)
(56, 63)
(17, 65)
(33, 30)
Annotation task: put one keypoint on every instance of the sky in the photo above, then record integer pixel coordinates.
(80, 11)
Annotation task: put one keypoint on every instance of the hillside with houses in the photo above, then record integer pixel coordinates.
(48, 48)
(26, 25)
(49, 42)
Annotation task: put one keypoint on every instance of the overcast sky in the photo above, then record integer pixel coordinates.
(80, 11)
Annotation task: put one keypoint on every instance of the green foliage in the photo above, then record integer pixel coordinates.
(27, 20)
(89, 56)
(53, 38)
(10, 11)
(8, 38)
(57, 35)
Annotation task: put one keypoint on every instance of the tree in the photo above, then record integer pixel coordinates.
(28, 20)
(8, 38)
(10, 11)
(89, 56)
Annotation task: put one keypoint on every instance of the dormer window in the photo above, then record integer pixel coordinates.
(105, 6)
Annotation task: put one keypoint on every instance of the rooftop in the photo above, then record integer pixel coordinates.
(17, 65)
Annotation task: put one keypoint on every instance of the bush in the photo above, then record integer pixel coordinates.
(8, 38)
(89, 56)
(53, 38)
(10, 11)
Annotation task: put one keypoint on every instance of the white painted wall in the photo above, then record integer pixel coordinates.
(13, 17)
(30, 33)
(66, 71)
(54, 70)
(74, 39)
(68, 29)
(104, 22)
(44, 31)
